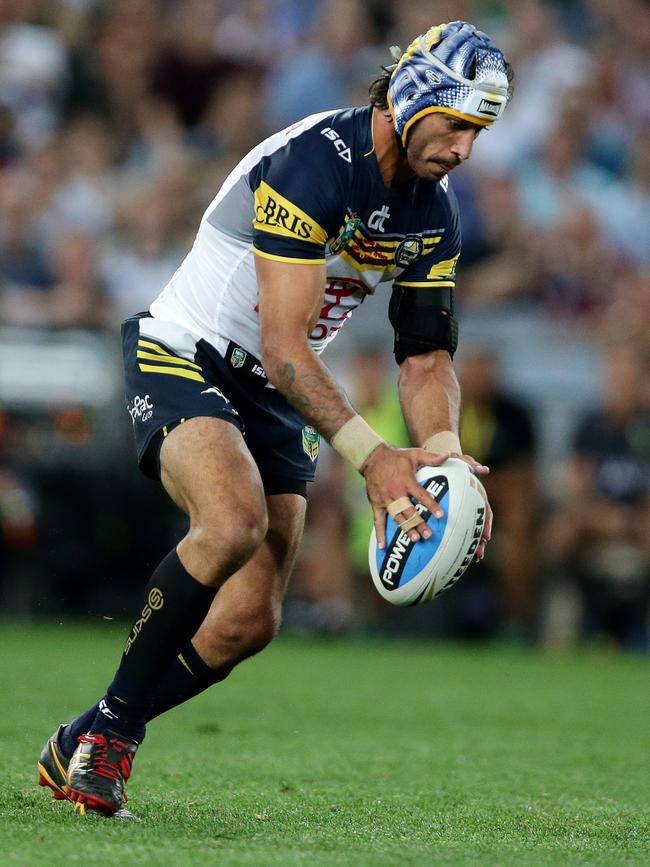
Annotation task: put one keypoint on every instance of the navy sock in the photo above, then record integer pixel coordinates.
(79, 726)
(187, 676)
(175, 606)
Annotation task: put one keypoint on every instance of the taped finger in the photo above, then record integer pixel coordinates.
(411, 522)
(398, 505)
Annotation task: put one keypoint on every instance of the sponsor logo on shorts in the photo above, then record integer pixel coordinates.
(140, 408)
(310, 442)
(409, 251)
(155, 601)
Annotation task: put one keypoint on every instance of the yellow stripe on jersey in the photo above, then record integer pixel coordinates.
(288, 258)
(428, 285)
(174, 371)
(446, 268)
(168, 359)
(275, 214)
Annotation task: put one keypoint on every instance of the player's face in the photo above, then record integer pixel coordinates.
(438, 143)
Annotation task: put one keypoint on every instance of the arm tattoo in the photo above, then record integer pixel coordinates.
(316, 396)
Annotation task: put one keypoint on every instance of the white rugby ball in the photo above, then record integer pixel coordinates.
(410, 573)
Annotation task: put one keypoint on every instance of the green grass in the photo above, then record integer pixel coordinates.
(359, 753)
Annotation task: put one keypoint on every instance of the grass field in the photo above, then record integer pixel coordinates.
(357, 753)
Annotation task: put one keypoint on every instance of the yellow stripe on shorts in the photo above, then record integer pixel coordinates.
(167, 359)
(173, 371)
(147, 344)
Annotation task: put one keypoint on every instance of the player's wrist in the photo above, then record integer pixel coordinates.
(443, 442)
(356, 441)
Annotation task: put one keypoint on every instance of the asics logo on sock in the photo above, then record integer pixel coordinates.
(155, 601)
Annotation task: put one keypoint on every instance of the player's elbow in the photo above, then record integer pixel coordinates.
(435, 363)
(279, 353)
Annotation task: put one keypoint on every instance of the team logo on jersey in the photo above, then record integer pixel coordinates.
(237, 357)
(310, 442)
(409, 251)
(275, 214)
(377, 218)
(348, 229)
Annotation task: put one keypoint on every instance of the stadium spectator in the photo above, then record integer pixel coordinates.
(188, 66)
(319, 75)
(505, 255)
(601, 529)
(499, 427)
(18, 524)
(579, 267)
(145, 251)
(548, 68)
(32, 68)
(75, 297)
(237, 96)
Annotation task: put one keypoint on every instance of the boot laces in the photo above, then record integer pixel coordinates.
(100, 762)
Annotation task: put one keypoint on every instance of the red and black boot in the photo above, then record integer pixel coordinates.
(98, 770)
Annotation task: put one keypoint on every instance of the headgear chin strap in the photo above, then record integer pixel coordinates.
(453, 68)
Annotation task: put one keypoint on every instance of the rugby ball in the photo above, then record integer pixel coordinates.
(410, 573)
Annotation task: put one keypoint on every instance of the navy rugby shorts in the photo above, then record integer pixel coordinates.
(172, 375)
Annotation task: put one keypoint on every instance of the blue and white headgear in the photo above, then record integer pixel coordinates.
(453, 68)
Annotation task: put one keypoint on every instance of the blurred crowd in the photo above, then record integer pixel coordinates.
(120, 118)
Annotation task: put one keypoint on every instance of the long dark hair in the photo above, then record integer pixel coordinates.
(378, 90)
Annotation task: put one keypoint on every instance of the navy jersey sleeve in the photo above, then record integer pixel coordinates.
(299, 194)
(436, 267)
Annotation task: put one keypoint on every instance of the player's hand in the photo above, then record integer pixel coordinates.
(390, 475)
(487, 526)
(480, 470)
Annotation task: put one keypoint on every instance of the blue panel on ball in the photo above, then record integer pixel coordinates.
(404, 560)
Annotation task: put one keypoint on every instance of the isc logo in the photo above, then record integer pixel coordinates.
(339, 144)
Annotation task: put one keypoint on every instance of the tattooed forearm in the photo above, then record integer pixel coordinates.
(312, 390)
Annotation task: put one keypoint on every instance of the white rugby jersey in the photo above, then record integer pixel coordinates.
(312, 193)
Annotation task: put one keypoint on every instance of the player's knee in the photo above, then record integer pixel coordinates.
(249, 630)
(226, 542)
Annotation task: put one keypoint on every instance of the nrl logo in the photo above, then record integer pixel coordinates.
(237, 357)
(310, 442)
